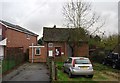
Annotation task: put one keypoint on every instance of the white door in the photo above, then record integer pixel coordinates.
(1, 52)
(50, 53)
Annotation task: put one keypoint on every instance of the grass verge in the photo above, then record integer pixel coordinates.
(98, 74)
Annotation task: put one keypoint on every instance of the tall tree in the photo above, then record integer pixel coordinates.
(40, 41)
(77, 14)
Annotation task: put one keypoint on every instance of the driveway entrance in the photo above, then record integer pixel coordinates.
(29, 72)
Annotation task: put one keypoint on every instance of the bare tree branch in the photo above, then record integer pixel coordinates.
(98, 28)
(78, 14)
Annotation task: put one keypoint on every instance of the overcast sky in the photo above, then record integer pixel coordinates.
(36, 14)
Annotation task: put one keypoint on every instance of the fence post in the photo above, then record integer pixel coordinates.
(55, 71)
(50, 67)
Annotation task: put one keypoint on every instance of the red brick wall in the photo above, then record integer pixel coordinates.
(82, 50)
(19, 39)
(58, 44)
(38, 58)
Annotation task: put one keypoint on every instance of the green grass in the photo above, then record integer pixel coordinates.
(64, 77)
(101, 67)
(59, 65)
(98, 75)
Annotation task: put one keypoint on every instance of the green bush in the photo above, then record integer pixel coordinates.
(59, 65)
(97, 56)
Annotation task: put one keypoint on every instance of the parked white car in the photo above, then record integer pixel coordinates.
(78, 66)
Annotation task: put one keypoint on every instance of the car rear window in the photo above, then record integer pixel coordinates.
(82, 61)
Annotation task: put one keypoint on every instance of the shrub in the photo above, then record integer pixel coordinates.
(97, 56)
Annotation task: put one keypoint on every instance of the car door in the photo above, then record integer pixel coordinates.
(68, 64)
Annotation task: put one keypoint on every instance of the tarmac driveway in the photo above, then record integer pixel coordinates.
(29, 72)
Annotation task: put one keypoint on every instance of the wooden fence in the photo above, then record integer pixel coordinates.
(13, 57)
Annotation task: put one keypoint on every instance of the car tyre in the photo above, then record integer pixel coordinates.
(114, 66)
(70, 74)
(90, 76)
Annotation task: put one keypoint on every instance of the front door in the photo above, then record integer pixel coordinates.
(57, 51)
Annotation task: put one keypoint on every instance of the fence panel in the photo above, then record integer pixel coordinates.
(13, 57)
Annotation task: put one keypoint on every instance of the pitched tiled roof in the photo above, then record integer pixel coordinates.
(55, 34)
(16, 27)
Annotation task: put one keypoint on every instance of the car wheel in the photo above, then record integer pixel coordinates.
(70, 74)
(114, 66)
(90, 76)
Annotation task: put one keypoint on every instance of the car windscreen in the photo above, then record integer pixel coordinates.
(82, 61)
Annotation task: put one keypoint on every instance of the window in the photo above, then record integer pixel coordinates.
(37, 51)
(69, 60)
(27, 36)
(84, 61)
(57, 51)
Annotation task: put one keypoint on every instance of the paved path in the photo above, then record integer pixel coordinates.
(29, 72)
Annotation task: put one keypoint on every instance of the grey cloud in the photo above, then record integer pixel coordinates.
(35, 14)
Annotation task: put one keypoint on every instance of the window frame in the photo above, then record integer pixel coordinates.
(39, 51)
